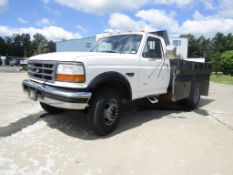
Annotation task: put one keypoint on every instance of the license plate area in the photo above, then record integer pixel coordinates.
(32, 94)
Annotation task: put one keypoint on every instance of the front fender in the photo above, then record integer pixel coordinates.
(108, 77)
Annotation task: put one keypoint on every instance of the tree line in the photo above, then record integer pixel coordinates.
(217, 50)
(22, 45)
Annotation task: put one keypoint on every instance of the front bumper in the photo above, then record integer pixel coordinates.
(56, 97)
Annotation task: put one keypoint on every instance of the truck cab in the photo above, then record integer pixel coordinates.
(122, 66)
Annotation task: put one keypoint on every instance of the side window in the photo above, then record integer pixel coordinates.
(152, 48)
(177, 42)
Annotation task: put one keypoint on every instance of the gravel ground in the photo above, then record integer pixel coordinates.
(160, 141)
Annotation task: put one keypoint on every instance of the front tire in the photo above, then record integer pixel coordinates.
(50, 109)
(104, 111)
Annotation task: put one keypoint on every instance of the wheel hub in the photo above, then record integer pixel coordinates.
(111, 111)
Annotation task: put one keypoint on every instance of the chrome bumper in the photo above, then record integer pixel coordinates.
(57, 97)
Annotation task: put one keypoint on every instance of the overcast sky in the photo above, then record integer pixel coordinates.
(68, 19)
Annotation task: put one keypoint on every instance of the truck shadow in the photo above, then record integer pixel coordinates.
(20, 124)
(74, 123)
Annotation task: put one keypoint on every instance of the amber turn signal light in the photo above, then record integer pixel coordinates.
(70, 78)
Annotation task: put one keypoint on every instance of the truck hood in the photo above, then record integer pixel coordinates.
(77, 56)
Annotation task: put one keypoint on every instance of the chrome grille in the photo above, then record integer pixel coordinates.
(42, 70)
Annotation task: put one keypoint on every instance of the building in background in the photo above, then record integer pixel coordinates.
(75, 45)
(181, 45)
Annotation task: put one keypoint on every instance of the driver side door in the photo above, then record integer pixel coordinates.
(154, 69)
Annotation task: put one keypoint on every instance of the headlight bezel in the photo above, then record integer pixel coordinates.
(69, 76)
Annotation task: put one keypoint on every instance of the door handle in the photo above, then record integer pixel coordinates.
(130, 74)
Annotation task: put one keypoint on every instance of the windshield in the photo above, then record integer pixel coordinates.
(128, 44)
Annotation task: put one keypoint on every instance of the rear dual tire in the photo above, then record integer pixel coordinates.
(193, 100)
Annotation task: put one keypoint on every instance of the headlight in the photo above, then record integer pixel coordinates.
(70, 72)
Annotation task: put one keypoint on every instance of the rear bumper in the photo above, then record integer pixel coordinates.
(57, 97)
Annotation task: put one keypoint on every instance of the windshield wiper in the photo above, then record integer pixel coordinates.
(109, 51)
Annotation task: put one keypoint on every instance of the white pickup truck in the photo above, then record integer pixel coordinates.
(120, 67)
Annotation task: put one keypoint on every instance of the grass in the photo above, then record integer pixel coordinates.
(223, 79)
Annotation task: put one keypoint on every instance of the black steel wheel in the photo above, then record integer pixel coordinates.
(104, 111)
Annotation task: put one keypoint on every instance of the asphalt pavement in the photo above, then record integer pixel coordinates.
(10, 69)
(162, 141)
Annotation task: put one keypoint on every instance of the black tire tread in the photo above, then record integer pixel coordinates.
(189, 102)
(93, 115)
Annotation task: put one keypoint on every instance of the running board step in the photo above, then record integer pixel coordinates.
(153, 100)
